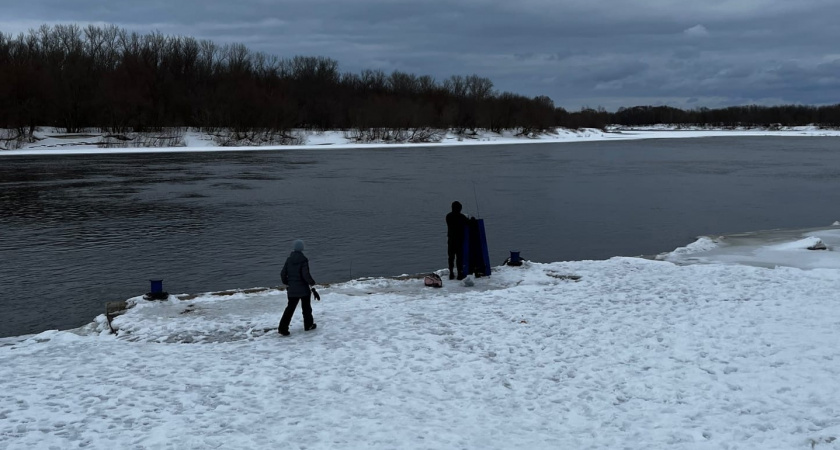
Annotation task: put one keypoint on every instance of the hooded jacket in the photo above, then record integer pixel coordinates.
(295, 275)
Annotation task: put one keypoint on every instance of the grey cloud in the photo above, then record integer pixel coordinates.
(578, 52)
(696, 31)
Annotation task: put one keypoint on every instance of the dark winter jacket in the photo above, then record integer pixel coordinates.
(295, 275)
(455, 224)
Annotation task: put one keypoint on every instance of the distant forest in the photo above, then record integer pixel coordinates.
(106, 78)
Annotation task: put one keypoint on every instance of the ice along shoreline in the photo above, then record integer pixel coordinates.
(52, 143)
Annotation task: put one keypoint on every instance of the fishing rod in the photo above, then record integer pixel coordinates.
(475, 194)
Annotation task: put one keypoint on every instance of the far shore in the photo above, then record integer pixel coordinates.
(51, 142)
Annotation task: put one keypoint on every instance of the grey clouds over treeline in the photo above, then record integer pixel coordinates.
(579, 53)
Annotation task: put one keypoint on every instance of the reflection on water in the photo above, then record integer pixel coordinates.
(77, 231)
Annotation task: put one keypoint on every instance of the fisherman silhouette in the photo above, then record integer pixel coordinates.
(455, 226)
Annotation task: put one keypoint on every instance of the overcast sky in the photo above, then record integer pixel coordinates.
(608, 53)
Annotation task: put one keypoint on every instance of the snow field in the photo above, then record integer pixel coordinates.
(636, 354)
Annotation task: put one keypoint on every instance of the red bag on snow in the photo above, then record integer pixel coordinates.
(433, 280)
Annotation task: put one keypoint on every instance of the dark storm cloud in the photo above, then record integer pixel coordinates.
(607, 53)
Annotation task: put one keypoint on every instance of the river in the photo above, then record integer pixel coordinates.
(78, 231)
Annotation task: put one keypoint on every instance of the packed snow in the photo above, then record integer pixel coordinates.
(705, 348)
(53, 141)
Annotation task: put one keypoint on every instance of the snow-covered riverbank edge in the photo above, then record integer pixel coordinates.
(695, 351)
(51, 142)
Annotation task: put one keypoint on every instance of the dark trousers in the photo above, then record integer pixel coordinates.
(456, 257)
(306, 308)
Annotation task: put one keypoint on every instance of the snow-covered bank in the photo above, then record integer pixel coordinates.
(793, 248)
(637, 354)
(53, 142)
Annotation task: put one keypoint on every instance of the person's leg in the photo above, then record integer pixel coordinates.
(459, 258)
(306, 308)
(452, 250)
(287, 315)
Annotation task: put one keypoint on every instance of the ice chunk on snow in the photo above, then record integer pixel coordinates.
(802, 244)
(702, 244)
(53, 336)
(769, 248)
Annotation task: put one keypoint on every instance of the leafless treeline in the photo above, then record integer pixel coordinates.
(734, 116)
(117, 81)
(750, 116)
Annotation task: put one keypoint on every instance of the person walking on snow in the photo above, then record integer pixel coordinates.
(455, 225)
(299, 285)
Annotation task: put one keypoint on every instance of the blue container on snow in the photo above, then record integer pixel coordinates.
(157, 291)
(514, 260)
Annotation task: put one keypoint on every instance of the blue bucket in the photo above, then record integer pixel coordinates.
(157, 286)
(514, 257)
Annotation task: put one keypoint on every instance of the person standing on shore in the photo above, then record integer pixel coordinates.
(455, 225)
(299, 288)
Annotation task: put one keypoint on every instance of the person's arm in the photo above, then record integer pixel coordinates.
(284, 274)
(307, 277)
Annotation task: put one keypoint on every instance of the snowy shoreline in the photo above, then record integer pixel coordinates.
(712, 346)
(54, 143)
(729, 342)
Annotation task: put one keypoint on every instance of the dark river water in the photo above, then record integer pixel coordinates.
(79, 231)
